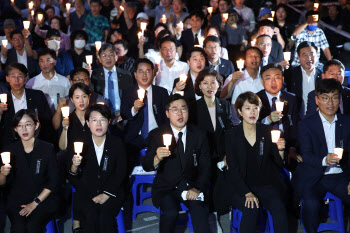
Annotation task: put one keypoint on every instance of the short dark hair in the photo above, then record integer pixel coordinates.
(195, 49)
(47, 51)
(78, 33)
(104, 47)
(201, 76)
(16, 31)
(266, 23)
(328, 86)
(333, 62)
(122, 42)
(211, 38)
(143, 60)
(161, 35)
(253, 48)
(160, 25)
(207, 29)
(198, 13)
(110, 33)
(80, 86)
(312, 13)
(272, 65)
(305, 44)
(249, 96)
(173, 98)
(78, 70)
(262, 36)
(167, 38)
(49, 7)
(19, 115)
(101, 108)
(96, 1)
(18, 66)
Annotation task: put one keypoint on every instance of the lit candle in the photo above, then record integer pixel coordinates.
(30, 5)
(68, 6)
(210, 10)
(98, 45)
(201, 40)
(315, 18)
(26, 24)
(279, 106)
(180, 93)
(225, 16)
(6, 158)
(270, 18)
(88, 59)
(101, 103)
(253, 42)
(240, 64)
(141, 94)
(4, 43)
(139, 35)
(12, 1)
(286, 56)
(121, 8)
(40, 17)
(316, 6)
(3, 98)
(32, 13)
(65, 112)
(163, 19)
(183, 77)
(157, 60)
(143, 26)
(167, 140)
(78, 147)
(180, 25)
(275, 135)
(338, 152)
(273, 14)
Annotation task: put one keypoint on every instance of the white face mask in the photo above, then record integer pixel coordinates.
(79, 44)
(53, 44)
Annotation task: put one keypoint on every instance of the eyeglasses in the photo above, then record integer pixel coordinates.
(261, 45)
(81, 80)
(111, 55)
(168, 50)
(142, 73)
(102, 121)
(27, 126)
(334, 99)
(177, 110)
(213, 47)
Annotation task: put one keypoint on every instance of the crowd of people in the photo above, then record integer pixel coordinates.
(222, 101)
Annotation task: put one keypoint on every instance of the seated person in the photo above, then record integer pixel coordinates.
(175, 173)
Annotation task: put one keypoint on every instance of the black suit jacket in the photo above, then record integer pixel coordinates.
(277, 51)
(290, 113)
(236, 156)
(189, 88)
(187, 42)
(37, 102)
(170, 174)
(200, 117)
(312, 106)
(134, 124)
(225, 68)
(32, 65)
(313, 148)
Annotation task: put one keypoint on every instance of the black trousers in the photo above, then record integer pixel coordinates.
(170, 206)
(270, 199)
(336, 184)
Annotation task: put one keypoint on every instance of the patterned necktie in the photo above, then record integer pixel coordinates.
(144, 129)
(111, 94)
(196, 41)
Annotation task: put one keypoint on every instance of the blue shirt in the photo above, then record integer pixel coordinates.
(116, 87)
(64, 63)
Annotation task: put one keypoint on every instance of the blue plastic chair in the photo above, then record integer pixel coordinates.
(120, 222)
(335, 214)
(51, 227)
(265, 226)
(188, 222)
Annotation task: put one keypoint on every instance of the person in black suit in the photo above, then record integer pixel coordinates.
(332, 69)
(253, 161)
(196, 62)
(98, 175)
(109, 81)
(287, 120)
(183, 166)
(189, 37)
(322, 170)
(264, 43)
(18, 54)
(212, 47)
(31, 179)
(142, 117)
(22, 98)
(300, 80)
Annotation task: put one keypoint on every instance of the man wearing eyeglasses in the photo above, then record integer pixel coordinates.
(322, 170)
(332, 69)
(142, 114)
(184, 165)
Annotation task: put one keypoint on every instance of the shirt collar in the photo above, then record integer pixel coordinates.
(98, 147)
(269, 96)
(304, 72)
(113, 70)
(199, 33)
(215, 65)
(22, 98)
(41, 76)
(148, 88)
(325, 120)
(176, 132)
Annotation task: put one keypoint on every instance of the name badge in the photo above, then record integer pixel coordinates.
(155, 109)
(38, 163)
(221, 122)
(261, 147)
(342, 143)
(105, 163)
(290, 120)
(195, 159)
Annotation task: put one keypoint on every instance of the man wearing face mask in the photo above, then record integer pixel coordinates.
(311, 33)
(78, 52)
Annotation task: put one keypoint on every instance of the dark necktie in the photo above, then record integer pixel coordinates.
(144, 129)
(181, 149)
(111, 95)
(273, 108)
(196, 39)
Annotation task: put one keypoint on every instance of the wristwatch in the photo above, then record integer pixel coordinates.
(37, 200)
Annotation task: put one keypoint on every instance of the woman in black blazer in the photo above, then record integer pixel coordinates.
(253, 162)
(31, 182)
(99, 174)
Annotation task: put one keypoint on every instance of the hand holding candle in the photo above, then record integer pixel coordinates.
(40, 17)
(167, 140)
(143, 26)
(240, 64)
(279, 106)
(338, 152)
(286, 56)
(65, 112)
(210, 10)
(275, 135)
(78, 148)
(139, 35)
(201, 40)
(4, 43)
(141, 94)
(6, 158)
(224, 17)
(26, 24)
(68, 5)
(98, 45)
(183, 77)
(89, 59)
(3, 98)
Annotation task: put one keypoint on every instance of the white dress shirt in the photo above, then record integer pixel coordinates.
(22, 59)
(19, 103)
(99, 151)
(165, 76)
(58, 85)
(216, 67)
(116, 87)
(329, 133)
(308, 84)
(151, 54)
(176, 135)
(152, 123)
